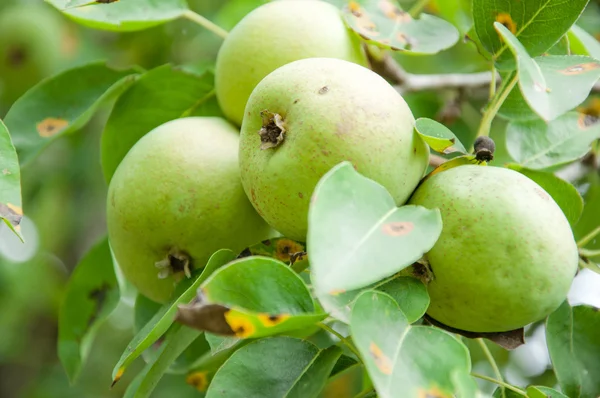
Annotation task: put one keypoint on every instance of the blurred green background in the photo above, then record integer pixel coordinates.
(64, 190)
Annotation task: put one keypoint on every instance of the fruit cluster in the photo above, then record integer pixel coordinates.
(297, 83)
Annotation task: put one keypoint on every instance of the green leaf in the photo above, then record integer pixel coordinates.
(574, 344)
(164, 318)
(543, 392)
(498, 393)
(122, 16)
(92, 293)
(177, 340)
(538, 145)
(465, 385)
(417, 360)
(219, 343)
(283, 249)
(563, 193)
(410, 294)
(356, 234)
(62, 104)
(385, 24)
(10, 183)
(583, 43)
(160, 95)
(458, 12)
(252, 297)
(275, 367)
(537, 24)
(589, 218)
(438, 136)
(553, 84)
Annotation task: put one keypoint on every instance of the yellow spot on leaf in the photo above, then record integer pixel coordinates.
(400, 228)
(506, 20)
(240, 324)
(393, 12)
(363, 24)
(16, 209)
(593, 108)
(285, 247)
(51, 126)
(382, 362)
(6, 172)
(118, 376)
(337, 292)
(433, 393)
(581, 68)
(355, 9)
(586, 121)
(199, 380)
(271, 320)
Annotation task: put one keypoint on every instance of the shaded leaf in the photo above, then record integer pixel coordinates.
(574, 345)
(552, 85)
(356, 234)
(465, 385)
(62, 104)
(417, 360)
(537, 24)
(92, 293)
(282, 249)
(507, 340)
(455, 162)
(563, 193)
(410, 294)
(588, 221)
(160, 95)
(177, 340)
(219, 343)
(10, 183)
(275, 367)
(538, 145)
(384, 23)
(122, 15)
(252, 297)
(583, 43)
(164, 318)
(438, 136)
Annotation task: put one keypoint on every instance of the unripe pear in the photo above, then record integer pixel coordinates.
(273, 35)
(175, 199)
(309, 115)
(506, 256)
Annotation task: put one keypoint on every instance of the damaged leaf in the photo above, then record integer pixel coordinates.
(10, 183)
(91, 295)
(282, 249)
(385, 24)
(249, 298)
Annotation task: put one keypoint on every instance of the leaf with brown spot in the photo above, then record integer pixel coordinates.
(509, 340)
(91, 295)
(10, 183)
(51, 126)
(252, 297)
(553, 84)
(354, 232)
(75, 96)
(283, 249)
(385, 24)
(199, 380)
(506, 20)
(438, 136)
(402, 357)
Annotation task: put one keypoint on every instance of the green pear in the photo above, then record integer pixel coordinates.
(273, 35)
(309, 115)
(31, 47)
(506, 256)
(175, 199)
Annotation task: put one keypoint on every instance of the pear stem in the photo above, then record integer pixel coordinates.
(500, 383)
(205, 23)
(492, 361)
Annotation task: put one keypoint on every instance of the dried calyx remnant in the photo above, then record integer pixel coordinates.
(175, 263)
(484, 149)
(272, 131)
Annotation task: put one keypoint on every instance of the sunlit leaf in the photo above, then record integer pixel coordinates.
(458, 12)
(275, 367)
(583, 43)
(563, 193)
(356, 234)
(123, 15)
(62, 104)
(91, 295)
(538, 145)
(385, 24)
(543, 392)
(552, 85)
(574, 344)
(417, 360)
(252, 297)
(438, 136)
(10, 183)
